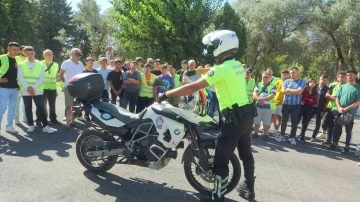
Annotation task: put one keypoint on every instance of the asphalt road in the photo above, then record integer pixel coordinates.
(44, 167)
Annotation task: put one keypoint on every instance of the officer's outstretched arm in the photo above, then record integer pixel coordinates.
(188, 88)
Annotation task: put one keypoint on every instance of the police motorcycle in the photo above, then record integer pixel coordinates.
(149, 139)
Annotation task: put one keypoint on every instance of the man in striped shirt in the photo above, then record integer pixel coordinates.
(292, 89)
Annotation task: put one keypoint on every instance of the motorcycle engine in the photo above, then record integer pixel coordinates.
(143, 151)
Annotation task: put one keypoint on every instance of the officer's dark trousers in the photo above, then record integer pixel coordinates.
(49, 96)
(230, 138)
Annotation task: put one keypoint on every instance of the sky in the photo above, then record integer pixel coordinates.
(104, 4)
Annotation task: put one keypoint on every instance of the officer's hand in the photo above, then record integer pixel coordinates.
(161, 97)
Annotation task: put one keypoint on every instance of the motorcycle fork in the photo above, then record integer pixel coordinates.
(194, 136)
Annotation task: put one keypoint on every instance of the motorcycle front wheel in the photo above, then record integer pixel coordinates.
(94, 164)
(203, 182)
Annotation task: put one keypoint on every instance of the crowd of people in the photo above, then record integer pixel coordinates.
(290, 97)
(23, 78)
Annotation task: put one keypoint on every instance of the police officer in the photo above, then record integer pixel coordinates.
(228, 76)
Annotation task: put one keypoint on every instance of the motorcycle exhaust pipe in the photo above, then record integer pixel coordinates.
(102, 153)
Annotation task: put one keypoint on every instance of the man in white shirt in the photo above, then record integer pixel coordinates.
(31, 75)
(104, 71)
(69, 69)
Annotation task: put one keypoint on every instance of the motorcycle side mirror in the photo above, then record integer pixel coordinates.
(159, 83)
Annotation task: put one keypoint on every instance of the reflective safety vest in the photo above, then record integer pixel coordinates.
(4, 65)
(335, 86)
(31, 77)
(250, 85)
(19, 59)
(145, 90)
(269, 88)
(176, 81)
(50, 76)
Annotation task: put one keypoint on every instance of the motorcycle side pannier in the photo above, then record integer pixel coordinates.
(86, 86)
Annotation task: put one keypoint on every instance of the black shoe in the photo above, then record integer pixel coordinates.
(326, 142)
(266, 138)
(246, 191)
(332, 147)
(209, 199)
(345, 150)
(302, 139)
(38, 123)
(55, 122)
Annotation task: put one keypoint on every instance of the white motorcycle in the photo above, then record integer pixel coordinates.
(149, 139)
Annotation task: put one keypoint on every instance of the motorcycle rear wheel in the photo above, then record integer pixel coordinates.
(234, 175)
(82, 148)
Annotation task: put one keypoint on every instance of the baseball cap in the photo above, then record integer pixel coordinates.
(249, 70)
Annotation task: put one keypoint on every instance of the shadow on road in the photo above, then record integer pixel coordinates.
(136, 189)
(35, 144)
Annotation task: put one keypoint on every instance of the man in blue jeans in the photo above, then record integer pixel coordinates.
(9, 88)
(292, 89)
(132, 80)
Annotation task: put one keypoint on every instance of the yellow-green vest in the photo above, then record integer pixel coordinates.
(31, 77)
(269, 87)
(19, 59)
(50, 76)
(4, 65)
(145, 90)
(250, 85)
(176, 81)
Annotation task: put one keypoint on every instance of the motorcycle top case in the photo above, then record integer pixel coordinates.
(86, 86)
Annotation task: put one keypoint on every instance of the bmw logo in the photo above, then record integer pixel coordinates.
(106, 116)
(177, 132)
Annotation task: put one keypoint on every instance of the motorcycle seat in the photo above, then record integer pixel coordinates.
(119, 113)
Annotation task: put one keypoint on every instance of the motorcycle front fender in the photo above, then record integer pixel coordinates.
(203, 142)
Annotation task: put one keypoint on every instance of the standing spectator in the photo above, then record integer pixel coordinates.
(132, 80)
(89, 61)
(111, 66)
(50, 88)
(104, 71)
(347, 101)
(264, 92)
(308, 100)
(166, 78)
(115, 80)
(139, 68)
(19, 59)
(9, 85)
(190, 75)
(147, 90)
(177, 83)
(292, 89)
(328, 122)
(273, 79)
(69, 69)
(278, 99)
(184, 68)
(157, 68)
(31, 75)
(319, 108)
(250, 84)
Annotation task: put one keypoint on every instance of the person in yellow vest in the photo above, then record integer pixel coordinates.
(175, 101)
(264, 93)
(31, 75)
(49, 86)
(250, 84)
(19, 59)
(9, 86)
(147, 90)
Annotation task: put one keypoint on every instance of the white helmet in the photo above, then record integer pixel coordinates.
(221, 42)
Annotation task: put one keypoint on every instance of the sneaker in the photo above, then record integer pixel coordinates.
(38, 123)
(17, 122)
(266, 138)
(345, 150)
(302, 139)
(321, 136)
(245, 192)
(31, 129)
(55, 122)
(292, 141)
(11, 129)
(280, 138)
(326, 142)
(357, 152)
(313, 139)
(47, 129)
(81, 118)
(332, 147)
(64, 119)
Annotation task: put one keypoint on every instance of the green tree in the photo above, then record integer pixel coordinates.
(170, 30)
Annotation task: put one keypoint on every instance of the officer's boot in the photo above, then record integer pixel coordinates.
(218, 191)
(246, 189)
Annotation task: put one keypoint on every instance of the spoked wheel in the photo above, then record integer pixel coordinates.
(203, 182)
(94, 164)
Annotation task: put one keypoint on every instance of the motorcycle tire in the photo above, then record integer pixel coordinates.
(111, 161)
(234, 160)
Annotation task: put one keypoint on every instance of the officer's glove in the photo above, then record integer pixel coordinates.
(162, 97)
